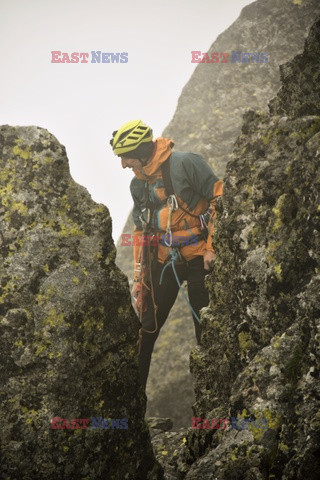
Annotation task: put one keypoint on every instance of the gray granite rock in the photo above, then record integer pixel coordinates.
(67, 330)
(259, 357)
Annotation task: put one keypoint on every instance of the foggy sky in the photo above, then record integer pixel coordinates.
(82, 103)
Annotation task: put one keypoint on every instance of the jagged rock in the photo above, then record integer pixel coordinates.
(167, 447)
(259, 357)
(67, 329)
(208, 118)
(208, 121)
(300, 91)
(163, 424)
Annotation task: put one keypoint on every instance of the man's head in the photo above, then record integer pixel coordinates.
(133, 143)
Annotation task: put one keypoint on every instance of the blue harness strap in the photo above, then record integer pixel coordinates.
(174, 257)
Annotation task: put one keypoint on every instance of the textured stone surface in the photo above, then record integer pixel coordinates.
(67, 330)
(210, 108)
(259, 356)
(207, 121)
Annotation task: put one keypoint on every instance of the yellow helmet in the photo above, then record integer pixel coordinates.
(130, 136)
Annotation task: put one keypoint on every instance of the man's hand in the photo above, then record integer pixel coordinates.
(136, 288)
(208, 259)
(140, 296)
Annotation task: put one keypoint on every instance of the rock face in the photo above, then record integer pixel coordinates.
(67, 330)
(209, 112)
(208, 121)
(259, 357)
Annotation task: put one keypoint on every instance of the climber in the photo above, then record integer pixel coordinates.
(174, 193)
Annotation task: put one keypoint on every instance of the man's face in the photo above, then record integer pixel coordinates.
(132, 163)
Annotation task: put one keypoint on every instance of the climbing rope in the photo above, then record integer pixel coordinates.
(175, 255)
(155, 306)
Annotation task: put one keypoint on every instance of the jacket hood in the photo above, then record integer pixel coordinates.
(162, 151)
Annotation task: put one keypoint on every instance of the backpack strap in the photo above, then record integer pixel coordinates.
(165, 169)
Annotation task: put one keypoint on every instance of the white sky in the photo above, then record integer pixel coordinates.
(82, 103)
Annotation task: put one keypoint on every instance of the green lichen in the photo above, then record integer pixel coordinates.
(273, 246)
(45, 297)
(274, 422)
(266, 138)
(29, 416)
(92, 323)
(9, 288)
(283, 447)
(245, 343)
(306, 133)
(70, 229)
(278, 271)
(100, 209)
(47, 160)
(53, 319)
(22, 153)
(65, 205)
(279, 212)
(10, 184)
(234, 454)
(40, 349)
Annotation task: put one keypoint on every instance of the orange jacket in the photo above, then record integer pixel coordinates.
(196, 188)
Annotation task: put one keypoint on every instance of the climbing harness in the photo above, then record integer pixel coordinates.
(175, 256)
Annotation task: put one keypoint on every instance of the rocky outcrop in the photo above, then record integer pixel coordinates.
(208, 120)
(259, 357)
(67, 330)
(209, 113)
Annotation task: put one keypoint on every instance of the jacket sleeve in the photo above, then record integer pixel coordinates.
(200, 176)
(203, 180)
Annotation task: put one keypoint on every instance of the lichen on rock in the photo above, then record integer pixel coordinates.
(259, 354)
(68, 332)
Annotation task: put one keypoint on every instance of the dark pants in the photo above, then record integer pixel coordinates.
(164, 297)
